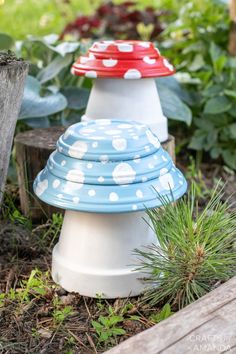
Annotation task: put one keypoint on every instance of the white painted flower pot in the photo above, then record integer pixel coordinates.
(129, 100)
(94, 255)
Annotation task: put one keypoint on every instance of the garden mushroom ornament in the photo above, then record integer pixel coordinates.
(124, 85)
(105, 174)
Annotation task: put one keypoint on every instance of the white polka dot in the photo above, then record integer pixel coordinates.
(139, 194)
(103, 121)
(168, 65)
(158, 52)
(155, 157)
(144, 44)
(87, 131)
(95, 144)
(97, 137)
(132, 74)
(91, 74)
(163, 171)
(152, 139)
(134, 207)
(166, 181)
(76, 200)
(78, 149)
(123, 173)
(56, 183)
(91, 193)
(124, 126)
(60, 196)
(135, 137)
(67, 133)
(164, 158)
(41, 187)
(109, 63)
(147, 148)
(119, 144)
(92, 56)
(63, 163)
(150, 165)
(148, 60)
(71, 187)
(180, 176)
(181, 182)
(137, 159)
(100, 179)
(89, 165)
(102, 46)
(124, 47)
(113, 132)
(104, 159)
(75, 176)
(113, 197)
(84, 60)
(144, 179)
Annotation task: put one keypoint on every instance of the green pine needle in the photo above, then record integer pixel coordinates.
(195, 251)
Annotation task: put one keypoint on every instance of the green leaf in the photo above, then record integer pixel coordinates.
(77, 97)
(171, 83)
(232, 129)
(118, 331)
(97, 326)
(6, 41)
(215, 152)
(215, 52)
(172, 106)
(198, 63)
(34, 105)
(213, 90)
(66, 47)
(219, 64)
(217, 104)
(229, 158)
(54, 68)
(230, 93)
(198, 140)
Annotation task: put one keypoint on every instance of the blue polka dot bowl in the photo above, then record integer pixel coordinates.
(109, 166)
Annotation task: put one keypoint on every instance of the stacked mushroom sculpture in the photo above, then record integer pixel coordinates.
(118, 92)
(105, 173)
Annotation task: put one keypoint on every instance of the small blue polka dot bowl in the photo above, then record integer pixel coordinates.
(109, 166)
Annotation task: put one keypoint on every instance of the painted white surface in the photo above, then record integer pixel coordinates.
(127, 99)
(94, 254)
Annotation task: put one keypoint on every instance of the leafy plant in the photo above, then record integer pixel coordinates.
(124, 20)
(59, 315)
(194, 251)
(162, 315)
(106, 326)
(35, 286)
(197, 42)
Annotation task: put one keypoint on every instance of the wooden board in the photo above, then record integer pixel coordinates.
(33, 148)
(12, 78)
(206, 326)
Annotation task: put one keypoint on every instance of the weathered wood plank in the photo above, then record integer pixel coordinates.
(12, 78)
(206, 326)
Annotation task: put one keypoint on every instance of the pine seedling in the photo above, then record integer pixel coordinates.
(195, 249)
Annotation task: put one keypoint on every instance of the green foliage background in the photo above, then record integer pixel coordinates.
(40, 17)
